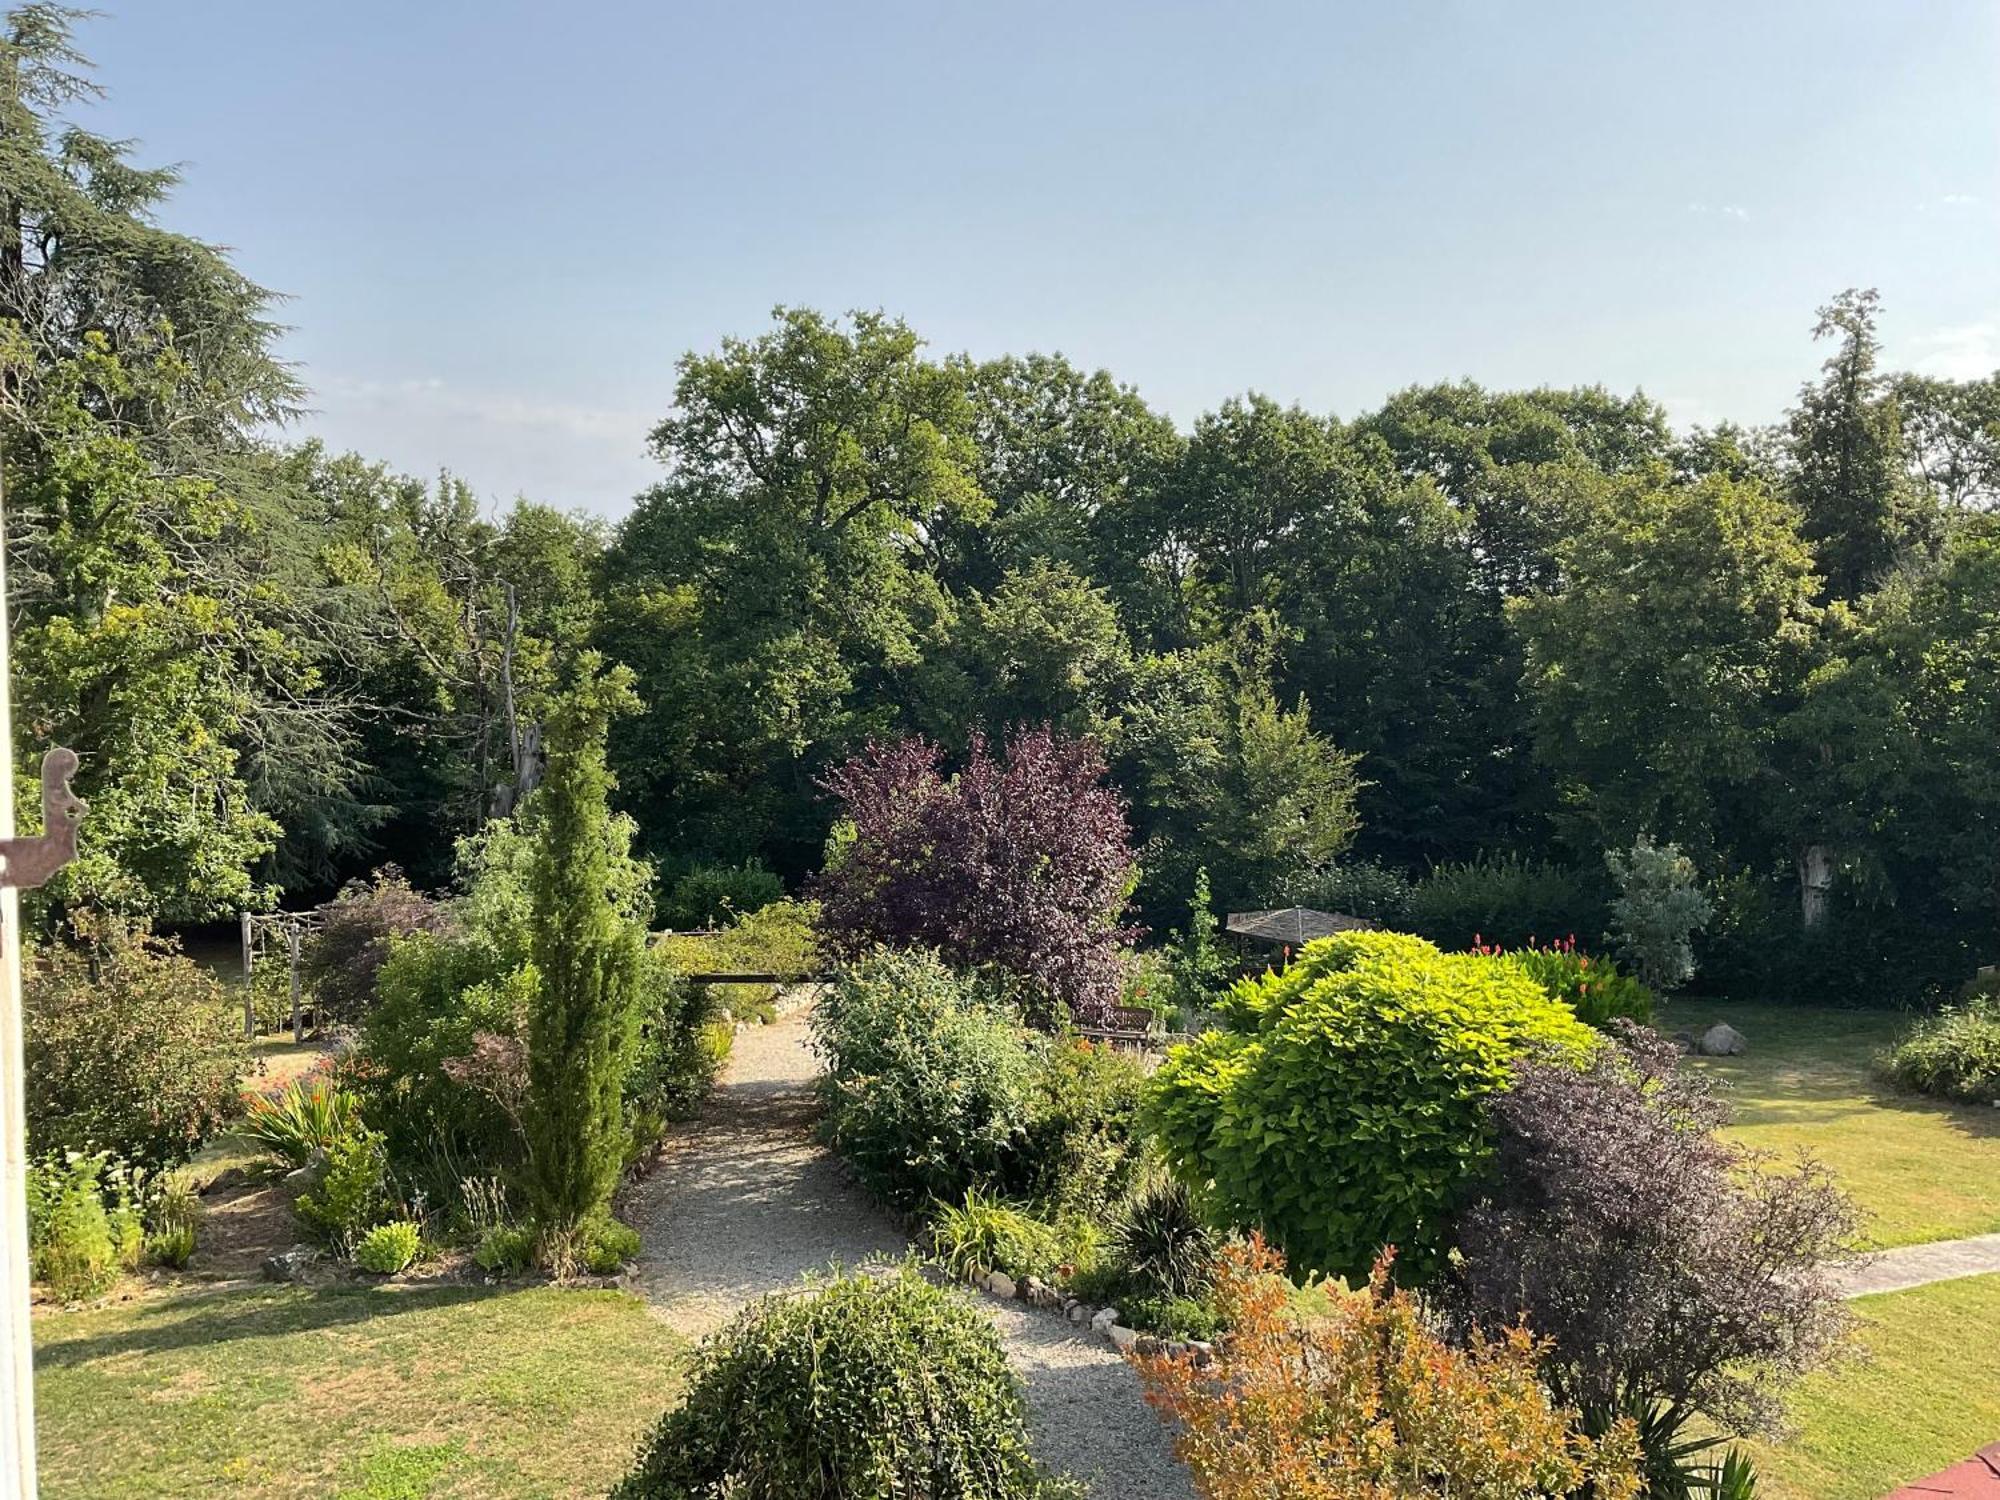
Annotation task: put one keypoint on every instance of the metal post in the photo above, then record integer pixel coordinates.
(298, 1031)
(17, 1359)
(249, 994)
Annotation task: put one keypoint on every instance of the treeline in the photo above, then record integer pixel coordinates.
(1470, 623)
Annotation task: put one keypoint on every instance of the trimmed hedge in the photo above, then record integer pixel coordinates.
(1344, 1109)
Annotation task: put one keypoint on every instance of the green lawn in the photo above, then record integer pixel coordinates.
(1927, 1396)
(1922, 1170)
(363, 1393)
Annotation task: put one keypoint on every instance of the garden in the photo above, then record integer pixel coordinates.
(785, 995)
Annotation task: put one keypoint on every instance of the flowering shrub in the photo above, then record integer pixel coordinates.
(1596, 993)
(305, 1116)
(1345, 1107)
(1023, 866)
(1360, 1401)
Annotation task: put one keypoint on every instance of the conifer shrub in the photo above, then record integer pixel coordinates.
(1344, 1108)
(861, 1386)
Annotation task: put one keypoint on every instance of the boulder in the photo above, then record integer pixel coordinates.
(1000, 1284)
(290, 1264)
(1122, 1338)
(1720, 1040)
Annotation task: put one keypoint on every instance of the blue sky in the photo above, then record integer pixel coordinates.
(500, 223)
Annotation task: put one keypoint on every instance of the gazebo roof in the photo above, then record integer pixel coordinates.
(1293, 926)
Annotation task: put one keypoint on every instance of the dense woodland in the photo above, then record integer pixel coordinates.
(1469, 624)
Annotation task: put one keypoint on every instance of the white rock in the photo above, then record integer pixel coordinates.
(1077, 1312)
(1001, 1285)
(1103, 1318)
(1122, 1338)
(1720, 1040)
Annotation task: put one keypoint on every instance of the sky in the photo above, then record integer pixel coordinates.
(500, 224)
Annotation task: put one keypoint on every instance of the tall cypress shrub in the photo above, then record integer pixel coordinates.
(588, 958)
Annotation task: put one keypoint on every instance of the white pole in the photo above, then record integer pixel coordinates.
(17, 1359)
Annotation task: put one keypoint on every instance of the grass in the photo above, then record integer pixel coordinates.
(1920, 1168)
(1927, 1396)
(363, 1393)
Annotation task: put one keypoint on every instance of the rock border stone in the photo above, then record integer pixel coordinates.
(1101, 1321)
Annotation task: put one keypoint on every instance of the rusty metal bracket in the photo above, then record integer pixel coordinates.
(28, 862)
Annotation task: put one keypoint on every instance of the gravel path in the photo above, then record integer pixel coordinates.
(1918, 1265)
(745, 1202)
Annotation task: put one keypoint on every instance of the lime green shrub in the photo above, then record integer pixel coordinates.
(388, 1248)
(866, 1386)
(1343, 1109)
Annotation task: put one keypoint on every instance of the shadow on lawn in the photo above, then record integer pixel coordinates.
(197, 1318)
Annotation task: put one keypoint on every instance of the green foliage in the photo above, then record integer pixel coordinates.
(779, 938)
(1344, 1110)
(83, 1226)
(711, 894)
(1356, 888)
(1507, 900)
(1160, 1241)
(866, 1386)
(1659, 908)
(929, 1082)
(436, 998)
(506, 1249)
(1082, 1141)
(304, 1117)
(1593, 989)
(339, 961)
(352, 1195)
(389, 1248)
(590, 964)
(607, 1244)
(1954, 1054)
(130, 1047)
(1169, 1317)
(983, 1233)
(1199, 963)
(681, 1046)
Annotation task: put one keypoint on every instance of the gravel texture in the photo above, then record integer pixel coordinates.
(745, 1202)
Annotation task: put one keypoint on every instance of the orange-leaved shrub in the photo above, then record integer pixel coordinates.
(1359, 1400)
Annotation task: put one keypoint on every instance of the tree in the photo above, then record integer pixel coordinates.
(1657, 678)
(1659, 906)
(1850, 474)
(1229, 778)
(588, 959)
(775, 593)
(1023, 865)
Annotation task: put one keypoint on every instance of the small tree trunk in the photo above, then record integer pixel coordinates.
(1815, 886)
